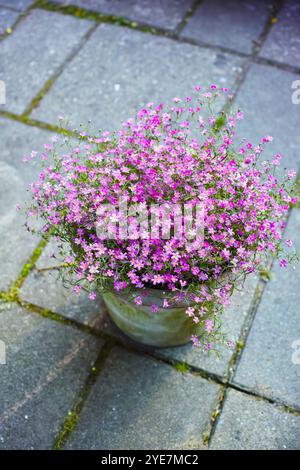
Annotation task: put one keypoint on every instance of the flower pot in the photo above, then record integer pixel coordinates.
(164, 328)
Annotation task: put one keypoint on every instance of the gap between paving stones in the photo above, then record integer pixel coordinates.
(49, 83)
(39, 124)
(12, 293)
(190, 12)
(255, 51)
(22, 16)
(71, 419)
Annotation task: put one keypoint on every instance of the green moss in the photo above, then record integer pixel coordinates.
(205, 437)
(38, 98)
(5, 297)
(34, 123)
(182, 367)
(43, 312)
(69, 425)
(85, 14)
(28, 266)
(220, 122)
(265, 274)
(240, 346)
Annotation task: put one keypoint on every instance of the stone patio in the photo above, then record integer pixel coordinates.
(71, 379)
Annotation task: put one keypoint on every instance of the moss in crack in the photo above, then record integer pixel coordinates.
(240, 344)
(182, 367)
(34, 123)
(14, 290)
(43, 312)
(54, 316)
(72, 417)
(265, 274)
(5, 297)
(85, 14)
(208, 433)
(38, 98)
(69, 424)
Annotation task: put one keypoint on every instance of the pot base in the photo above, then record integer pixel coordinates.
(168, 327)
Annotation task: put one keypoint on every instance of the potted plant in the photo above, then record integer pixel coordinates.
(165, 217)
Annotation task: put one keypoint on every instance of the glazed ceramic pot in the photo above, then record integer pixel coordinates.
(167, 327)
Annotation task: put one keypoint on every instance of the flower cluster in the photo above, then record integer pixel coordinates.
(166, 156)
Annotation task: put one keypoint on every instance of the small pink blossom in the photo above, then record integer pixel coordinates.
(154, 308)
(138, 300)
(283, 263)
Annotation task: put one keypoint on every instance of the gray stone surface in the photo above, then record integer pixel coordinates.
(283, 41)
(138, 403)
(17, 141)
(46, 366)
(7, 19)
(165, 14)
(265, 98)
(233, 24)
(48, 38)
(20, 5)
(267, 364)
(46, 289)
(247, 423)
(232, 321)
(119, 69)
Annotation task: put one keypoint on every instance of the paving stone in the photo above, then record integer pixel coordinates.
(47, 364)
(267, 364)
(233, 24)
(48, 38)
(17, 141)
(247, 423)
(265, 98)
(165, 14)
(7, 19)
(120, 69)
(283, 41)
(138, 403)
(20, 5)
(232, 321)
(46, 289)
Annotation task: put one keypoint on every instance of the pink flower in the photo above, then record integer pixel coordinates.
(267, 138)
(291, 174)
(209, 325)
(154, 308)
(190, 311)
(283, 263)
(138, 300)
